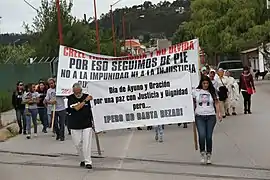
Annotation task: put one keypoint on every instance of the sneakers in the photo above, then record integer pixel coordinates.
(208, 159)
(203, 158)
(82, 164)
(88, 166)
(35, 135)
(28, 136)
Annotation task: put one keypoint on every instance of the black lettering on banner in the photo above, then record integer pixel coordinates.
(83, 84)
(99, 65)
(74, 75)
(130, 117)
(134, 74)
(131, 97)
(81, 64)
(113, 90)
(165, 60)
(65, 73)
(166, 113)
(113, 118)
(132, 88)
(109, 100)
(176, 92)
(147, 115)
(83, 75)
(180, 58)
(119, 99)
(98, 101)
(122, 89)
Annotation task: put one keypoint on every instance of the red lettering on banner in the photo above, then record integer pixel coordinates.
(73, 53)
(185, 46)
(161, 52)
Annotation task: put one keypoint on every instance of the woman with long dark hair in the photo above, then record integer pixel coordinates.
(42, 110)
(206, 110)
(30, 99)
(19, 107)
(247, 87)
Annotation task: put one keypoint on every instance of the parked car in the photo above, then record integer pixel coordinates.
(234, 66)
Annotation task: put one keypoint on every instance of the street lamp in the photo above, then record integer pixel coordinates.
(113, 34)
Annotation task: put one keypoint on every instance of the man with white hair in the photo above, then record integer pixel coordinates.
(80, 122)
(222, 83)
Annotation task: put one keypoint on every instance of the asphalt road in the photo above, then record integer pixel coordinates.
(241, 151)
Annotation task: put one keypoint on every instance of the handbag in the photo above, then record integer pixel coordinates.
(223, 92)
(249, 89)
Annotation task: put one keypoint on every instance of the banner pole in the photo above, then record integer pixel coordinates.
(53, 116)
(195, 135)
(98, 144)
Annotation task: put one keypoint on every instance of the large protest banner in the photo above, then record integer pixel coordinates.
(79, 66)
(144, 101)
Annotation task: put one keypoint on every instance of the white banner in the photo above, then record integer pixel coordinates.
(79, 66)
(144, 101)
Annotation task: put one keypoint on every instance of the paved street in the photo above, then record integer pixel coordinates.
(241, 151)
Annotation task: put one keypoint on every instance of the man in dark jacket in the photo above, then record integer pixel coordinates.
(80, 123)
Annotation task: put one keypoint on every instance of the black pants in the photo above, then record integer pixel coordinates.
(247, 101)
(59, 123)
(21, 120)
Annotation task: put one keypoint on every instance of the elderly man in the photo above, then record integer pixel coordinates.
(222, 87)
(80, 122)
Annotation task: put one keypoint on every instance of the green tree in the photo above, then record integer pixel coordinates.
(16, 54)
(226, 26)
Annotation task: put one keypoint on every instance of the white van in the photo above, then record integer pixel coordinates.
(234, 66)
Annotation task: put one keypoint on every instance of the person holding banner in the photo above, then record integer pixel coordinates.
(206, 110)
(80, 122)
(60, 110)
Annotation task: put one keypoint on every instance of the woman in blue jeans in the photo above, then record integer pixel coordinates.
(42, 110)
(30, 99)
(206, 110)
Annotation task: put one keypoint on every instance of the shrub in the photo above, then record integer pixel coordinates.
(5, 101)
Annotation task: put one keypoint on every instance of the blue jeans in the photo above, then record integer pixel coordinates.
(42, 112)
(28, 116)
(205, 126)
(159, 131)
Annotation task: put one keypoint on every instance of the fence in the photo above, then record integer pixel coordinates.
(28, 72)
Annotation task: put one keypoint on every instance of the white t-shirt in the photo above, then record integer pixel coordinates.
(204, 102)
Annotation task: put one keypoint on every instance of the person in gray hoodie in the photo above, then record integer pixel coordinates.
(60, 110)
(30, 99)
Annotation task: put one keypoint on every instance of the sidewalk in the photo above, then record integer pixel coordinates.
(241, 151)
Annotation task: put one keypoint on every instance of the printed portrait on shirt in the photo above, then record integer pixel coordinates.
(204, 100)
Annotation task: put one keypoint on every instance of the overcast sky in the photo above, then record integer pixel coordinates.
(15, 12)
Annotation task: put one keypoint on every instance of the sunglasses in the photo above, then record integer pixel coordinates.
(20, 84)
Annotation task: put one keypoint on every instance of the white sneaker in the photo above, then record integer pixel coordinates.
(35, 135)
(203, 158)
(208, 159)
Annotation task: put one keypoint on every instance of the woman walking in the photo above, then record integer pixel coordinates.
(80, 123)
(247, 88)
(19, 107)
(30, 99)
(233, 94)
(222, 83)
(42, 110)
(206, 110)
